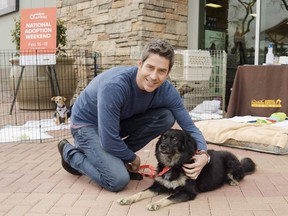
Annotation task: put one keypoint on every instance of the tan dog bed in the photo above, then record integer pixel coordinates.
(270, 138)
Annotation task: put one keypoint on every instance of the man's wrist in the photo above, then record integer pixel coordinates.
(200, 152)
(132, 159)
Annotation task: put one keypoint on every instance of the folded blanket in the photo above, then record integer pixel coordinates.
(225, 131)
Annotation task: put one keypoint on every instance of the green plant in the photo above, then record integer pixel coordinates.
(15, 33)
(60, 36)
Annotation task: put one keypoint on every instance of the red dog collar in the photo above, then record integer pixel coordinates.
(151, 171)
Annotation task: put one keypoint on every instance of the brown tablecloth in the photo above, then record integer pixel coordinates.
(259, 91)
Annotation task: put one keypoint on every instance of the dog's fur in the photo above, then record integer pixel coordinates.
(175, 148)
(185, 89)
(62, 112)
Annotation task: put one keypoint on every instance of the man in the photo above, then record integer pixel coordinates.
(121, 111)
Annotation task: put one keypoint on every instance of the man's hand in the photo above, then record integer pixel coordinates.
(134, 166)
(193, 170)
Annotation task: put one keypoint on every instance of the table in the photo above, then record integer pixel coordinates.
(259, 91)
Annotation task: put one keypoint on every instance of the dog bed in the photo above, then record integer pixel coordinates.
(244, 132)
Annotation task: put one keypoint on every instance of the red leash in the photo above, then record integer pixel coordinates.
(151, 171)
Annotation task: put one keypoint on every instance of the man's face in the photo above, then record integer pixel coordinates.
(152, 73)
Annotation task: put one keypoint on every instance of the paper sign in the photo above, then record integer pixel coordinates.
(38, 36)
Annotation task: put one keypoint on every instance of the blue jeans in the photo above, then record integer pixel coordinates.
(89, 158)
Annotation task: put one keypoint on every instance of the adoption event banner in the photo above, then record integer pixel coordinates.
(38, 31)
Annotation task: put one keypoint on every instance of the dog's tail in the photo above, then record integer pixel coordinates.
(248, 165)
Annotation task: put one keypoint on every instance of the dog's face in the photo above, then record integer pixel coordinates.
(185, 89)
(59, 100)
(175, 147)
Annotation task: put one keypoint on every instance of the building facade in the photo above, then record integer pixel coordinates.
(125, 25)
(243, 28)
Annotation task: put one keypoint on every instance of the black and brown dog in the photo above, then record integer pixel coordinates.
(175, 148)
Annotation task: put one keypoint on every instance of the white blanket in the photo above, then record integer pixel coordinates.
(31, 130)
(207, 110)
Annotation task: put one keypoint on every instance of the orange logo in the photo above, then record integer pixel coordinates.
(266, 103)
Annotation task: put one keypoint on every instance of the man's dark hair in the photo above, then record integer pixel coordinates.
(160, 47)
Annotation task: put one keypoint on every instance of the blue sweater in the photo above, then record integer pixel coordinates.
(113, 96)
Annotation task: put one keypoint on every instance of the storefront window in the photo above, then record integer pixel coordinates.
(216, 25)
(241, 31)
(230, 26)
(274, 28)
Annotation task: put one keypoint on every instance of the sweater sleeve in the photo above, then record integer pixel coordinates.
(109, 109)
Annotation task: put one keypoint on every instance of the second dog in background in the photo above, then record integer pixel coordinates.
(62, 112)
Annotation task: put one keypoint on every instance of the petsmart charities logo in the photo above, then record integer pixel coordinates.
(266, 103)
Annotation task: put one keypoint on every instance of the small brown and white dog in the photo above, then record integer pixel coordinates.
(60, 116)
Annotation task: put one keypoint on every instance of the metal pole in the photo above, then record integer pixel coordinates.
(257, 32)
(17, 89)
(95, 63)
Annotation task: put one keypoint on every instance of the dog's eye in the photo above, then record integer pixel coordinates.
(174, 140)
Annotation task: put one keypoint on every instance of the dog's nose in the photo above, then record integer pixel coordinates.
(163, 147)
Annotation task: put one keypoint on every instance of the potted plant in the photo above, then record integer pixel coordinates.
(35, 85)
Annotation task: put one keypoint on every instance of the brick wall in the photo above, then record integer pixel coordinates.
(118, 29)
(123, 26)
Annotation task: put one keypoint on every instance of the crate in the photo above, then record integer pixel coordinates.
(191, 100)
(200, 76)
(192, 65)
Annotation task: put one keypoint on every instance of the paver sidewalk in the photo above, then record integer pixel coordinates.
(32, 182)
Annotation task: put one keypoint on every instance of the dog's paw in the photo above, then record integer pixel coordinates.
(125, 201)
(233, 183)
(231, 180)
(153, 207)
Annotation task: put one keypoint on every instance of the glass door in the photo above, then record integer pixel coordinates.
(229, 25)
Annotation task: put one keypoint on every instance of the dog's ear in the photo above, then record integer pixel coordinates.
(64, 99)
(159, 140)
(53, 98)
(191, 142)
